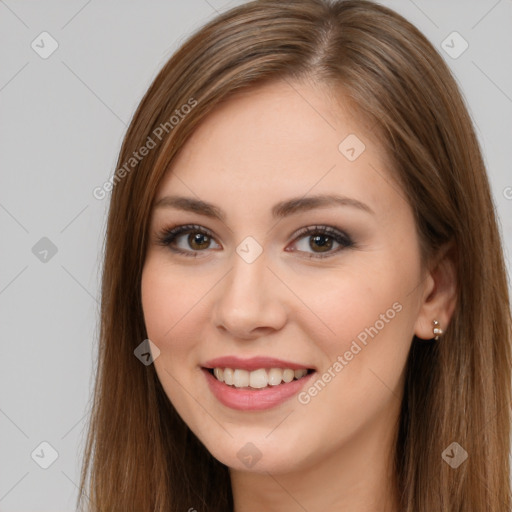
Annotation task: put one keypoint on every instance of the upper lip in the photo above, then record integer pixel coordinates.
(253, 363)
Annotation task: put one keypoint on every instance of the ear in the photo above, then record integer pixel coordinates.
(440, 294)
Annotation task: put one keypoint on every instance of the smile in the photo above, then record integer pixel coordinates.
(254, 384)
(257, 379)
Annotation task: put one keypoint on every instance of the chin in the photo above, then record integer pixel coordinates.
(257, 454)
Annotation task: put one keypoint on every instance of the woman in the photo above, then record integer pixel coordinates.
(304, 300)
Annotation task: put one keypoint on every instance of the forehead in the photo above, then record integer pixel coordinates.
(279, 140)
(268, 124)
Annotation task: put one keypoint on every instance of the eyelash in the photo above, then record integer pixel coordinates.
(168, 235)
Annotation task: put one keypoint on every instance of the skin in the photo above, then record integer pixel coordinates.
(272, 143)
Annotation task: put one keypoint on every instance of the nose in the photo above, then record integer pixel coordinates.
(250, 300)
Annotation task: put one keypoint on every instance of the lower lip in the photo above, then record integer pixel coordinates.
(245, 399)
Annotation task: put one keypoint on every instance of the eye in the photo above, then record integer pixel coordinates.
(198, 239)
(322, 239)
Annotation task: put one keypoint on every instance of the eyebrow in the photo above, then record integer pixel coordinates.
(279, 210)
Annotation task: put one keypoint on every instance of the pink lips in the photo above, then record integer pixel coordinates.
(252, 363)
(248, 399)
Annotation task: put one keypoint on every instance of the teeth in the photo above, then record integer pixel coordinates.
(257, 379)
(300, 373)
(275, 376)
(228, 376)
(241, 378)
(288, 375)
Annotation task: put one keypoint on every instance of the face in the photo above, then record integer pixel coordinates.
(305, 260)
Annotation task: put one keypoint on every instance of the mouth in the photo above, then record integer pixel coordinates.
(257, 379)
(255, 384)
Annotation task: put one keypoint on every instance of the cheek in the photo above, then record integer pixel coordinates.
(364, 350)
(368, 312)
(167, 304)
(157, 303)
(347, 303)
(169, 297)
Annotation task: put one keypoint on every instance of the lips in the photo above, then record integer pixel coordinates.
(255, 384)
(253, 363)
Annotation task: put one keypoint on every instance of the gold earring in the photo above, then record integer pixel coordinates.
(437, 330)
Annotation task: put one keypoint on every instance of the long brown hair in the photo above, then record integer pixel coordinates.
(140, 455)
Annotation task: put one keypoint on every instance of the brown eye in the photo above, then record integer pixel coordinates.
(198, 240)
(315, 240)
(324, 242)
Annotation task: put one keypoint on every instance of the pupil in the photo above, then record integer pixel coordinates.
(196, 239)
(325, 244)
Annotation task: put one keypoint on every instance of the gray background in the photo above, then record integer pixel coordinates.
(62, 121)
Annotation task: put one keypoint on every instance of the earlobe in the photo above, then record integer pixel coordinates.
(436, 330)
(439, 298)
